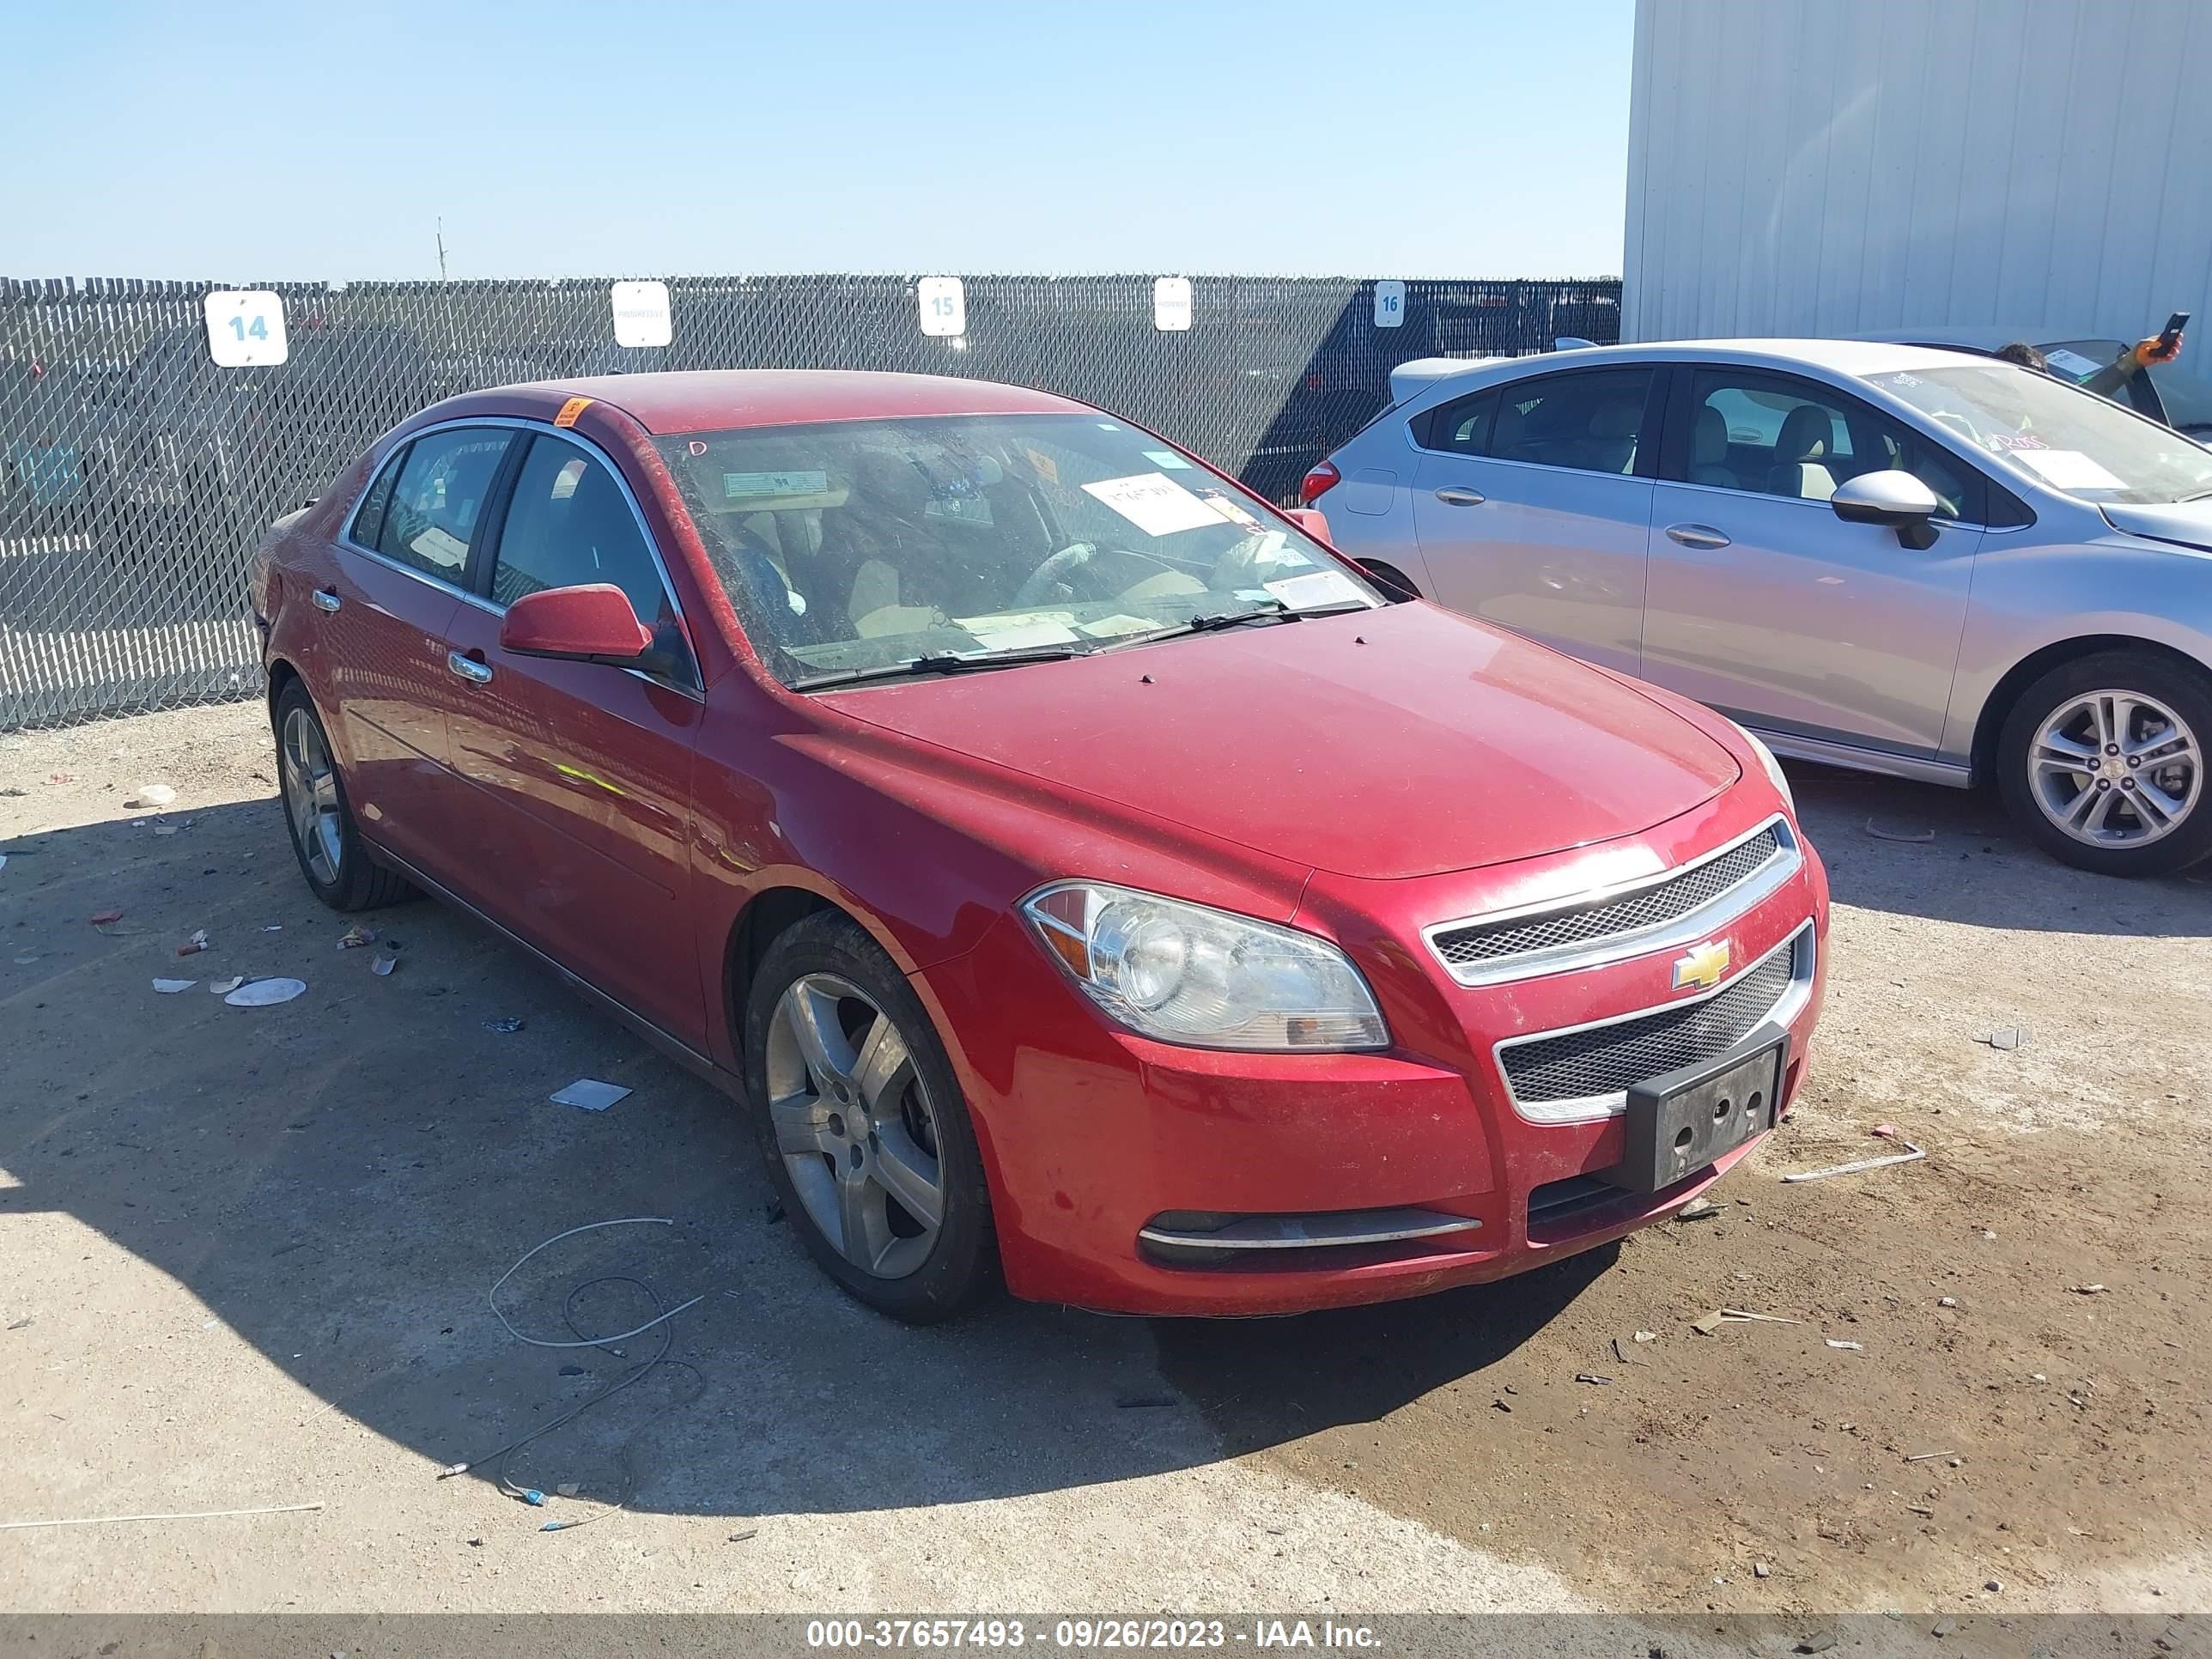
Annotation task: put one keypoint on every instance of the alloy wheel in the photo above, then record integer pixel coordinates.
(2115, 768)
(311, 796)
(854, 1126)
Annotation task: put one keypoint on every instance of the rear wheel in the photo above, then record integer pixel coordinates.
(863, 1125)
(2102, 761)
(324, 838)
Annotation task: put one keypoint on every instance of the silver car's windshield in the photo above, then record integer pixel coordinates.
(2187, 397)
(851, 548)
(2057, 434)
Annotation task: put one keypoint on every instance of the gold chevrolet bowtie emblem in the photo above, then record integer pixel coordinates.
(1703, 966)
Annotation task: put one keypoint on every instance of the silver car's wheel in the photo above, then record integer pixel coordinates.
(2115, 768)
(311, 796)
(853, 1125)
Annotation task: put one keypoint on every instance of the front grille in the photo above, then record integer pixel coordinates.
(1607, 1059)
(1648, 907)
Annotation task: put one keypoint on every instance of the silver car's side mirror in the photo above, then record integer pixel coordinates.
(1893, 498)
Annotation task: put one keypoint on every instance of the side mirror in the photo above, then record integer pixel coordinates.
(1895, 499)
(592, 623)
(1312, 520)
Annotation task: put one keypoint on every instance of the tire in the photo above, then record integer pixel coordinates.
(847, 1131)
(1397, 587)
(2095, 710)
(335, 861)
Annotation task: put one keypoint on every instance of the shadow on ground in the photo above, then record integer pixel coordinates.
(339, 1180)
(1977, 869)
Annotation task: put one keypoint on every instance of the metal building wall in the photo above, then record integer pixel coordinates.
(1829, 167)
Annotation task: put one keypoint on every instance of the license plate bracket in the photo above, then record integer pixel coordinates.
(1678, 1123)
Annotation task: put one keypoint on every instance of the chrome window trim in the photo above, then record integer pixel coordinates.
(1684, 929)
(1937, 520)
(519, 423)
(1804, 947)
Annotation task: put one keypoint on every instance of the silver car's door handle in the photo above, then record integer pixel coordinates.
(1454, 496)
(325, 600)
(1696, 535)
(475, 673)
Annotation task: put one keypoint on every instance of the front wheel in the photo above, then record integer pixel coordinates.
(863, 1124)
(2102, 761)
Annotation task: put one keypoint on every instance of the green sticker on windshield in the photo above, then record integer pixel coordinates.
(1167, 459)
(737, 485)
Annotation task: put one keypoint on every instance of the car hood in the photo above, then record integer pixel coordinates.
(1403, 742)
(2188, 523)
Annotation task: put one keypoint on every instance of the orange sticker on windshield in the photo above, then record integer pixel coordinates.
(1045, 469)
(570, 410)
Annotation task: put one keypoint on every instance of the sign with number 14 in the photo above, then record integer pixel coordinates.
(245, 328)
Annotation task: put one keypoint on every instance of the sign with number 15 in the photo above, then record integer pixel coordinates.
(245, 328)
(944, 307)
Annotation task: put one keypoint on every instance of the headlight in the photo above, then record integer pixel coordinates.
(1183, 973)
(1773, 769)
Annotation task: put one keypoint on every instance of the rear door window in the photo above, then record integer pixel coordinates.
(1590, 420)
(1462, 425)
(438, 500)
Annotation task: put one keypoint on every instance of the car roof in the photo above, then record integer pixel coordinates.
(1987, 336)
(1853, 357)
(713, 399)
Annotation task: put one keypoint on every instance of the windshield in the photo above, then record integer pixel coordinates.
(847, 547)
(2056, 435)
(2187, 399)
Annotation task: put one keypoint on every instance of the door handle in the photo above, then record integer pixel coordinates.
(475, 673)
(325, 599)
(1696, 535)
(1453, 496)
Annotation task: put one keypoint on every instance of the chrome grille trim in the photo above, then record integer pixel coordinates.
(1583, 1108)
(1628, 901)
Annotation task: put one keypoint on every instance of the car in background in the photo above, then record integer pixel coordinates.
(44, 422)
(1881, 557)
(2166, 392)
(963, 779)
(181, 448)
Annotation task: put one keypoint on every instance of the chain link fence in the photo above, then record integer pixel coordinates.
(137, 477)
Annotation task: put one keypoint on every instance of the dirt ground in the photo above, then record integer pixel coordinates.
(244, 1256)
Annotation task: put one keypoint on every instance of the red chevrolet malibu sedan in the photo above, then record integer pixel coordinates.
(1076, 871)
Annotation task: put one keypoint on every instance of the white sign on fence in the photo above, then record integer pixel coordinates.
(1389, 304)
(245, 328)
(1172, 303)
(641, 314)
(944, 307)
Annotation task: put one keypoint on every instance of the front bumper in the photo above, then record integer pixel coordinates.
(1331, 1179)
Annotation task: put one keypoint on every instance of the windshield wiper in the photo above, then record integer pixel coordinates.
(1207, 625)
(945, 662)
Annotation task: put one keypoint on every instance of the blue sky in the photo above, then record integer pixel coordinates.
(241, 142)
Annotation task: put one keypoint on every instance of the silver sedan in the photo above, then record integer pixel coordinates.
(1905, 561)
